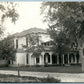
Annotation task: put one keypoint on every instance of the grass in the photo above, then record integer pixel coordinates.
(26, 79)
(59, 69)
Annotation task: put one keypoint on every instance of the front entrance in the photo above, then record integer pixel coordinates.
(65, 58)
(54, 59)
(46, 58)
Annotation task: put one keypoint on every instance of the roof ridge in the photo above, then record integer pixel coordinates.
(30, 31)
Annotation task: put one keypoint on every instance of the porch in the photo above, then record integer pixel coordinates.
(50, 58)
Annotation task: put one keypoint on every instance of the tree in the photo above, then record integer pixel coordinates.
(33, 45)
(36, 50)
(33, 40)
(7, 10)
(7, 51)
(61, 42)
(67, 17)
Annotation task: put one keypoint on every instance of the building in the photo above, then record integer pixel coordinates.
(26, 43)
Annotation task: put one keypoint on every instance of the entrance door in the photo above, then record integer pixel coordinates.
(46, 58)
(66, 59)
(54, 59)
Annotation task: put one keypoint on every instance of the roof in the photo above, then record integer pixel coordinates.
(30, 31)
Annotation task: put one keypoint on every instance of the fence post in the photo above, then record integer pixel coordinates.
(18, 71)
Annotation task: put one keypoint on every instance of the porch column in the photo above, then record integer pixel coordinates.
(35, 60)
(79, 59)
(46, 59)
(50, 58)
(75, 58)
(30, 59)
(11, 62)
(68, 58)
(63, 58)
(57, 59)
(26, 59)
(42, 58)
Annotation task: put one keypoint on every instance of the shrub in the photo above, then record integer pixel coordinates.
(50, 80)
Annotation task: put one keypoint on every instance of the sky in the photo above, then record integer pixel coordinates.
(29, 17)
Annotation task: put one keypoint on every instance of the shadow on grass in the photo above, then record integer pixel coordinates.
(49, 79)
(59, 69)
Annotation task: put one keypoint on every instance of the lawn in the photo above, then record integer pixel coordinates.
(60, 69)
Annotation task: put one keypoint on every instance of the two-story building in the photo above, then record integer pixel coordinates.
(33, 37)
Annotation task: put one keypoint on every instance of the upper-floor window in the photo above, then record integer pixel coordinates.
(27, 41)
(27, 59)
(45, 44)
(13, 43)
(16, 43)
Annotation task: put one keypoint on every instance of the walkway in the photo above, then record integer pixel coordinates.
(65, 77)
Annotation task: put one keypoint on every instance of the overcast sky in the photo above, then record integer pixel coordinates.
(29, 17)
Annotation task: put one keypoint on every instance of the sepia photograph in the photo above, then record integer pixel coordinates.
(41, 42)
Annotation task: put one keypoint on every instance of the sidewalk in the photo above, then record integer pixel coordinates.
(64, 77)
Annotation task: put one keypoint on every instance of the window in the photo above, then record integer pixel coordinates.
(41, 43)
(12, 41)
(10, 61)
(27, 41)
(44, 44)
(27, 60)
(16, 43)
(48, 43)
(83, 51)
(37, 60)
(48, 58)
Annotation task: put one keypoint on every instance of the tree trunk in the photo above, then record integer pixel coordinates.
(81, 58)
(81, 53)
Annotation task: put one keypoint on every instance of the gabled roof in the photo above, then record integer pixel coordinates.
(30, 31)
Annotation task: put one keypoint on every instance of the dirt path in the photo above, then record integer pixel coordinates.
(65, 77)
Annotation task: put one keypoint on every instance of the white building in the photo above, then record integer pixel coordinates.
(32, 38)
